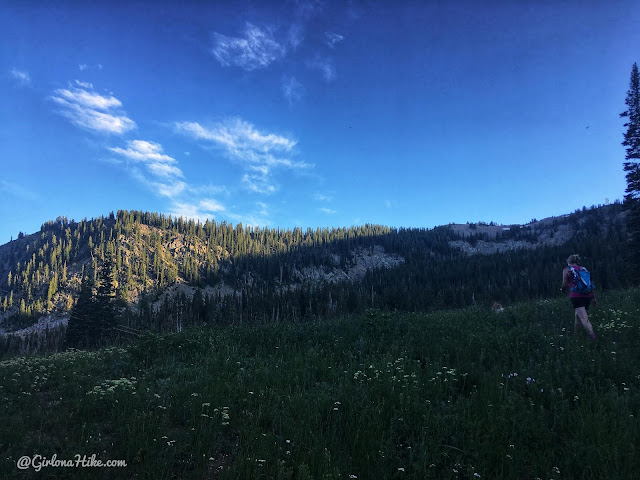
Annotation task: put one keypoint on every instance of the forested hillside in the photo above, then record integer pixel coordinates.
(115, 275)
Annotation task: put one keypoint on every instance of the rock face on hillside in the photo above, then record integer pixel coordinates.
(556, 237)
(43, 323)
(361, 261)
(482, 239)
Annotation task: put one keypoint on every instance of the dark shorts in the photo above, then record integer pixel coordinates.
(578, 302)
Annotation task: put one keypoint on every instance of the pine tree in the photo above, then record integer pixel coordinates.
(105, 314)
(81, 327)
(632, 163)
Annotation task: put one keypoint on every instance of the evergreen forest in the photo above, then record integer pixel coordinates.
(115, 276)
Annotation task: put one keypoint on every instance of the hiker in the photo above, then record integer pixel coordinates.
(578, 281)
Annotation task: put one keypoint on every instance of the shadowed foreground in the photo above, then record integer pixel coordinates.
(456, 394)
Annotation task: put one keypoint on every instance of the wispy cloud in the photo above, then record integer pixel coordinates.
(144, 160)
(83, 66)
(257, 217)
(170, 190)
(331, 39)
(200, 210)
(257, 152)
(292, 89)
(255, 50)
(259, 181)
(208, 208)
(163, 187)
(162, 172)
(85, 108)
(322, 197)
(85, 98)
(141, 150)
(239, 137)
(162, 168)
(211, 205)
(325, 66)
(85, 85)
(23, 78)
(328, 211)
(304, 12)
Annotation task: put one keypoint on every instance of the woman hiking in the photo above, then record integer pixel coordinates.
(580, 293)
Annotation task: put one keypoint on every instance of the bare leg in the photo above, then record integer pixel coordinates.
(581, 313)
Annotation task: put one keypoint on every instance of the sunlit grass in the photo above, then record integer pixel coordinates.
(456, 394)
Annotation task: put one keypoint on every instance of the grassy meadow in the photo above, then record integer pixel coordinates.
(458, 394)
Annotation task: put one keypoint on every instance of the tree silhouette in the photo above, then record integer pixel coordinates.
(81, 326)
(104, 311)
(632, 164)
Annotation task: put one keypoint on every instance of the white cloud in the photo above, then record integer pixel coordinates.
(292, 89)
(256, 218)
(170, 190)
(211, 205)
(83, 66)
(201, 210)
(164, 170)
(161, 167)
(163, 187)
(86, 85)
(257, 152)
(160, 173)
(238, 137)
(89, 110)
(325, 66)
(144, 160)
(22, 77)
(185, 210)
(256, 50)
(142, 150)
(85, 98)
(328, 211)
(258, 183)
(331, 39)
(321, 197)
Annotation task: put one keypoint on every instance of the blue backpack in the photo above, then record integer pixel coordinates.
(582, 281)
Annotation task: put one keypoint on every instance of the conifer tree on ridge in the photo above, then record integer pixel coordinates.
(632, 163)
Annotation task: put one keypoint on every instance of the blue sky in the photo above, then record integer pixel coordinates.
(312, 113)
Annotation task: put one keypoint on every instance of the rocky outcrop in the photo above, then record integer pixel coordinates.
(549, 232)
(43, 323)
(361, 261)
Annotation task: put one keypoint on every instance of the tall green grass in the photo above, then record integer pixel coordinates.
(451, 395)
